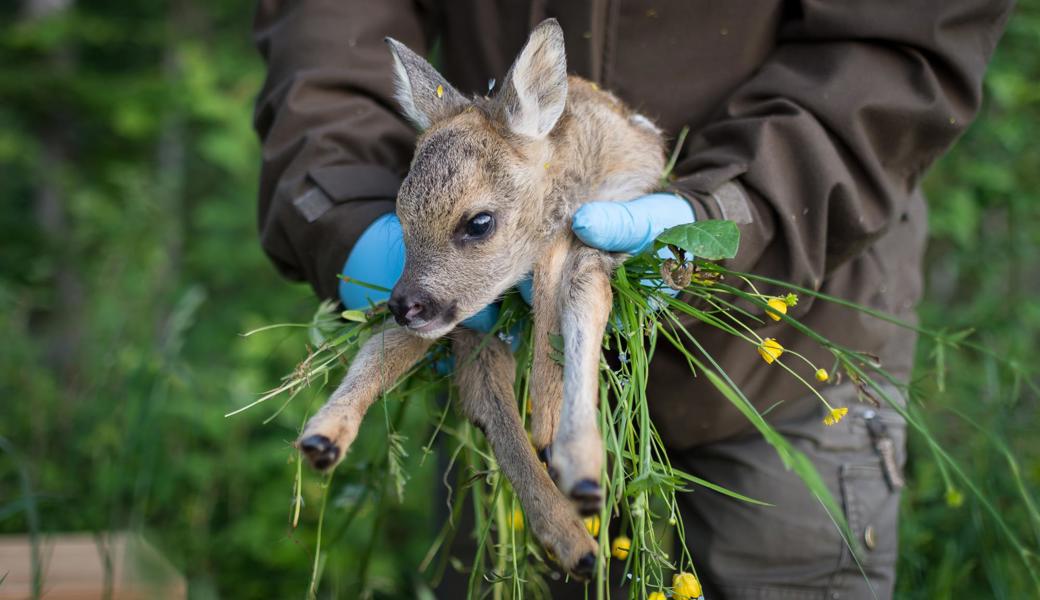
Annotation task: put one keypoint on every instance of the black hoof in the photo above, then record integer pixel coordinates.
(320, 451)
(545, 455)
(586, 566)
(587, 497)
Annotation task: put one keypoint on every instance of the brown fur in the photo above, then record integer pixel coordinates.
(380, 362)
(484, 374)
(530, 156)
(546, 373)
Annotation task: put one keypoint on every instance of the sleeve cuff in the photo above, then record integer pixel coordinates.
(729, 200)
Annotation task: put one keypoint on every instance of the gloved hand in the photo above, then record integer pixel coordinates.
(378, 259)
(631, 226)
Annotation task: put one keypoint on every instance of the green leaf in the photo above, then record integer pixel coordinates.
(556, 348)
(652, 481)
(357, 316)
(709, 240)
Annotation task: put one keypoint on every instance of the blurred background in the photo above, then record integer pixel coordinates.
(129, 265)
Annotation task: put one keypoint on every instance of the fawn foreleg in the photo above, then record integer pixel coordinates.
(484, 372)
(577, 450)
(546, 373)
(377, 366)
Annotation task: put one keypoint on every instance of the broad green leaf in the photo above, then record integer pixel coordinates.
(710, 240)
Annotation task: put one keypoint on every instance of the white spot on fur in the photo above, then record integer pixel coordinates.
(640, 121)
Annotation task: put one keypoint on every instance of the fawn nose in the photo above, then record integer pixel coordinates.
(409, 309)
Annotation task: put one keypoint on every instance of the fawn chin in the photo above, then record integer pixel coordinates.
(489, 197)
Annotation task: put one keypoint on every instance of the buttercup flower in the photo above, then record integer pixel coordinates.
(770, 350)
(656, 596)
(836, 415)
(822, 375)
(777, 307)
(518, 519)
(592, 524)
(686, 587)
(440, 91)
(620, 546)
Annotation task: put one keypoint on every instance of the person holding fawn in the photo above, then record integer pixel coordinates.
(812, 124)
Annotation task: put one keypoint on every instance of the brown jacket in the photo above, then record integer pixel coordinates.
(811, 125)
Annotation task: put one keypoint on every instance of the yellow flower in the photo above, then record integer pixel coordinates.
(592, 524)
(777, 307)
(686, 587)
(440, 91)
(620, 546)
(836, 415)
(518, 520)
(770, 350)
(656, 596)
(822, 375)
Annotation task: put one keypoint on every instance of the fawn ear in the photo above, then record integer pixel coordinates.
(535, 90)
(423, 93)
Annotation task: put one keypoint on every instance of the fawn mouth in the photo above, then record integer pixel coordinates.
(424, 326)
(437, 326)
(431, 329)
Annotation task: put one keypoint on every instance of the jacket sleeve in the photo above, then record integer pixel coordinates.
(334, 148)
(818, 153)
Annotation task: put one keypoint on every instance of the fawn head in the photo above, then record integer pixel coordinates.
(473, 204)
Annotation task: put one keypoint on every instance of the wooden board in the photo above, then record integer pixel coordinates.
(74, 567)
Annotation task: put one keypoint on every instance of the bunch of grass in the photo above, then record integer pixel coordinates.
(640, 483)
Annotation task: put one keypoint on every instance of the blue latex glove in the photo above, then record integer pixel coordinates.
(378, 259)
(631, 226)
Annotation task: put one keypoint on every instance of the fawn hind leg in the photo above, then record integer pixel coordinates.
(546, 373)
(379, 363)
(484, 372)
(585, 300)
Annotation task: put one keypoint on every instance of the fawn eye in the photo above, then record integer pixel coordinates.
(479, 226)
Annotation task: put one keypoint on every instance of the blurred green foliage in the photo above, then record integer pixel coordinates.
(983, 274)
(130, 264)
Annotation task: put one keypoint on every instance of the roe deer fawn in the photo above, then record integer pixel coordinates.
(489, 198)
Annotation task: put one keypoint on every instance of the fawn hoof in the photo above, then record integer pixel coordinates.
(586, 566)
(587, 497)
(320, 451)
(545, 455)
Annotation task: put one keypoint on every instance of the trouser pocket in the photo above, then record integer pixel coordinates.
(871, 507)
(870, 486)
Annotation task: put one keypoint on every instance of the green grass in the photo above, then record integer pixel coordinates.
(640, 482)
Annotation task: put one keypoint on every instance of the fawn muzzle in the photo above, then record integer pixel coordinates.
(416, 309)
(409, 308)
